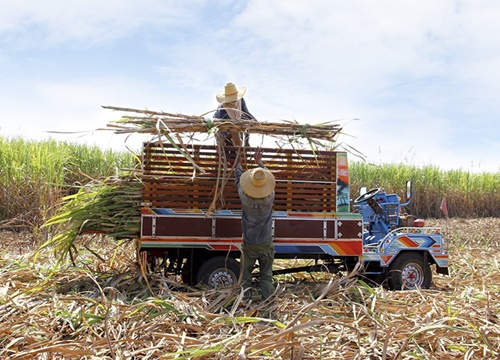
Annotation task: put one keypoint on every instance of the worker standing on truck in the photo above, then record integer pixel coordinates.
(256, 191)
(233, 107)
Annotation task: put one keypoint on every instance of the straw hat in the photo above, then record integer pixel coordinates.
(257, 183)
(230, 93)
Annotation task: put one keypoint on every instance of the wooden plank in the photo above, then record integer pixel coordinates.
(228, 227)
(295, 190)
(184, 226)
(302, 228)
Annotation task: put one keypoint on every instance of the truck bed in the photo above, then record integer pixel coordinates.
(200, 209)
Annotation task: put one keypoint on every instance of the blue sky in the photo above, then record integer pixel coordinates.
(421, 77)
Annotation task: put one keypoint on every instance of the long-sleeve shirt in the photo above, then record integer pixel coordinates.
(256, 219)
(222, 113)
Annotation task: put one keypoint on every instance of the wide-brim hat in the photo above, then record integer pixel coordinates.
(230, 93)
(257, 183)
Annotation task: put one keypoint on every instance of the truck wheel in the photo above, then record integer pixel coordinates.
(218, 272)
(408, 272)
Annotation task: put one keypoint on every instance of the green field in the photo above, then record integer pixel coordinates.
(34, 175)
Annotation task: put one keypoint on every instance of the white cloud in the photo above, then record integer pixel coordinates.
(413, 73)
(26, 23)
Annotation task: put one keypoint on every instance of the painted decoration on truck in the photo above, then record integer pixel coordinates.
(342, 183)
(350, 247)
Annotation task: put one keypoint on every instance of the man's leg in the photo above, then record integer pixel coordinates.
(266, 271)
(247, 263)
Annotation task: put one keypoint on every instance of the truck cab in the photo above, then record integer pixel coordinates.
(397, 247)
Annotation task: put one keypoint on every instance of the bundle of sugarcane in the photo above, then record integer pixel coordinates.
(166, 124)
(111, 206)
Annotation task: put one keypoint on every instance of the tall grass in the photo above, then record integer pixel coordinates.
(467, 194)
(35, 174)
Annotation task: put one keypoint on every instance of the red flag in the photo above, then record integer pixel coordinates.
(443, 206)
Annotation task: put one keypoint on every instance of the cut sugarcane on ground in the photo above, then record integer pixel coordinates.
(103, 307)
(109, 206)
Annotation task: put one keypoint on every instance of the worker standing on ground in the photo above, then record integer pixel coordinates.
(256, 191)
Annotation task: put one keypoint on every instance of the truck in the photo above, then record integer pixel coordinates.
(191, 218)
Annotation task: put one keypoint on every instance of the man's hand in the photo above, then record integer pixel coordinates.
(235, 138)
(258, 156)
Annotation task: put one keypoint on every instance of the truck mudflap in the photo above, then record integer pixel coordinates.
(425, 240)
(442, 270)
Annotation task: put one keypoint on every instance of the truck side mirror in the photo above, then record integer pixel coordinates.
(409, 191)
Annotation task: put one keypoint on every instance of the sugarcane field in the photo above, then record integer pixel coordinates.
(137, 255)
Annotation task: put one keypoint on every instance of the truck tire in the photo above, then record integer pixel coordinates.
(219, 271)
(409, 271)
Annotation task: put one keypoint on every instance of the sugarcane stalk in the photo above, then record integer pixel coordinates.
(163, 123)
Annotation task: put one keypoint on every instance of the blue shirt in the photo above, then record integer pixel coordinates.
(256, 218)
(221, 113)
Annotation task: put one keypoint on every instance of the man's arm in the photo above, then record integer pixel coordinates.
(245, 111)
(238, 171)
(235, 138)
(221, 113)
(258, 158)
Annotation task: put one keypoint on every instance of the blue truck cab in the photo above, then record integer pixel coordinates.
(398, 248)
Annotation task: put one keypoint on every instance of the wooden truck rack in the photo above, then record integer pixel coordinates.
(305, 181)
